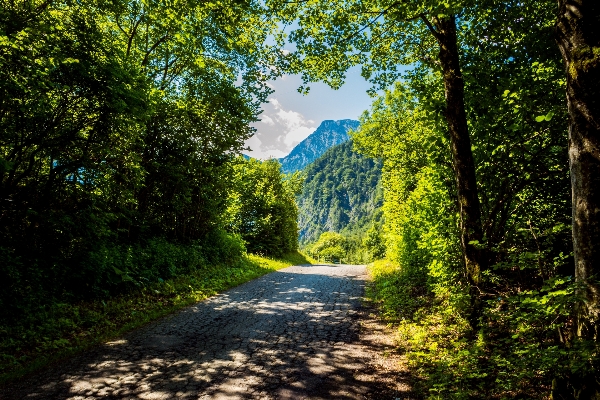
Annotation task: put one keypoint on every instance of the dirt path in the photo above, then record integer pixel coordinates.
(292, 334)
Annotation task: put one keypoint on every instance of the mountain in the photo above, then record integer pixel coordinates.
(327, 135)
(342, 193)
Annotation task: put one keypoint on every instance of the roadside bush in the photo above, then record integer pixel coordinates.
(330, 246)
(262, 207)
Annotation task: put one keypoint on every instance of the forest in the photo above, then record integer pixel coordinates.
(121, 185)
(489, 143)
(341, 193)
(121, 128)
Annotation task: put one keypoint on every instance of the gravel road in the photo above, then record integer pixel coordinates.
(292, 334)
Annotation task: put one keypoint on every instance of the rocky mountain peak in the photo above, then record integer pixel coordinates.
(330, 133)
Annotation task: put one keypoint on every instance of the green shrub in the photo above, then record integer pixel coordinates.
(262, 207)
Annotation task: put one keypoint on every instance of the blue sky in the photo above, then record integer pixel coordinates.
(290, 117)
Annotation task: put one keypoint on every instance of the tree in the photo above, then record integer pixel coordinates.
(351, 32)
(117, 123)
(207, 65)
(578, 37)
(262, 206)
(331, 246)
(374, 243)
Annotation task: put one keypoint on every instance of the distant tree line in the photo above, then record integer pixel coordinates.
(333, 247)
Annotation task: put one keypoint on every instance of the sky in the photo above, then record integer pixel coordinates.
(289, 117)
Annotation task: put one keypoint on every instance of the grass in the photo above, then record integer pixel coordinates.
(67, 329)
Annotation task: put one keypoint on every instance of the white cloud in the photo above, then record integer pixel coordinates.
(274, 154)
(279, 130)
(254, 143)
(275, 103)
(265, 119)
(296, 126)
(297, 135)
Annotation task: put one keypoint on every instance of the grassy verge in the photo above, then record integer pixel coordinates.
(70, 328)
(514, 354)
(429, 330)
(398, 294)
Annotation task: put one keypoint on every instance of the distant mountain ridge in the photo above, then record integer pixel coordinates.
(342, 193)
(328, 134)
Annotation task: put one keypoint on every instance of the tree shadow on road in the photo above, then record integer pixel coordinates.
(292, 334)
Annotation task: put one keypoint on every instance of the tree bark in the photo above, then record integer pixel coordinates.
(578, 37)
(462, 159)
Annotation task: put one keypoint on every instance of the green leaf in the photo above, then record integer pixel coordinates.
(118, 271)
(542, 118)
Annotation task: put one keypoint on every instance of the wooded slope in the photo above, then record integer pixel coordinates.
(342, 193)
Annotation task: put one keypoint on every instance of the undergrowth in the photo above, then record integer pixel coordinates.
(517, 353)
(62, 329)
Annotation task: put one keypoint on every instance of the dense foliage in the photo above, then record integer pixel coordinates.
(331, 247)
(349, 248)
(119, 124)
(522, 345)
(262, 207)
(476, 184)
(428, 288)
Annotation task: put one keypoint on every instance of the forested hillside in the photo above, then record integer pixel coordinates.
(342, 193)
(328, 134)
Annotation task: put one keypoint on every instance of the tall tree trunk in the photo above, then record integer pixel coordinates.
(462, 158)
(578, 36)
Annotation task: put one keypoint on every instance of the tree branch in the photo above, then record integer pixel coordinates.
(431, 28)
(154, 46)
(132, 34)
(370, 23)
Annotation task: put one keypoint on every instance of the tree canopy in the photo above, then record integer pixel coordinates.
(262, 207)
(475, 176)
(119, 125)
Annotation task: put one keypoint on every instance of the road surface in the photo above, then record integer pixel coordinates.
(292, 334)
